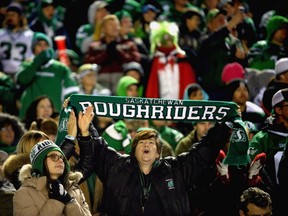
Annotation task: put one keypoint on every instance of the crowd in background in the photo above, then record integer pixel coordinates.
(217, 50)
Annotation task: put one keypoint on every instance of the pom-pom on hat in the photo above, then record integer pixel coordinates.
(281, 66)
(232, 71)
(40, 151)
(280, 96)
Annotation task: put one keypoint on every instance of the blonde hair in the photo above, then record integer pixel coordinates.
(106, 19)
(29, 139)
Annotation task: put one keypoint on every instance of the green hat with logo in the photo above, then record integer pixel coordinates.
(38, 154)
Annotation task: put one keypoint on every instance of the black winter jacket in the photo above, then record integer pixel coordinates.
(119, 173)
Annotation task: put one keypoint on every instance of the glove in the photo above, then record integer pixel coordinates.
(58, 192)
(43, 57)
(256, 165)
(222, 169)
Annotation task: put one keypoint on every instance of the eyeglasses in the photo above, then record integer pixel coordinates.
(56, 157)
(6, 129)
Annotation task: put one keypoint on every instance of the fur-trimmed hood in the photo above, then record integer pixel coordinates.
(26, 172)
(13, 163)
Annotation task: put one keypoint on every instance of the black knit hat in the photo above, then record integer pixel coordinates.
(233, 85)
(15, 7)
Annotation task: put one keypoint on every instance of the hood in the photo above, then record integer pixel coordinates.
(25, 172)
(13, 163)
(276, 22)
(92, 10)
(191, 86)
(124, 83)
(42, 4)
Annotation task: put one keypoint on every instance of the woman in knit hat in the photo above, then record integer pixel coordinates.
(48, 187)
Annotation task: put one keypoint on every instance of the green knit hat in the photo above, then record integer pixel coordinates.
(40, 151)
(38, 36)
(118, 137)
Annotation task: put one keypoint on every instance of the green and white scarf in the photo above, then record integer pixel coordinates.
(162, 109)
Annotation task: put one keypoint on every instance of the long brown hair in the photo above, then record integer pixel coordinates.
(63, 178)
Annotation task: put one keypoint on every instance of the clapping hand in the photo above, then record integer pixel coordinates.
(84, 120)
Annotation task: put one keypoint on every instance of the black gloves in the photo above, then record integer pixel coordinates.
(58, 192)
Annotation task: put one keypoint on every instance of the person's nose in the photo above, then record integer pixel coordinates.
(146, 144)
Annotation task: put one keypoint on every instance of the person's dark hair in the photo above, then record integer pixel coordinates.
(16, 7)
(31, 114)
(255, 196)
(146, 134)
(63, 178)
(7, 119)
(187, 15)
(194, 88)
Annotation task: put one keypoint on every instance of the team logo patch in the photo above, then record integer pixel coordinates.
(170, 184)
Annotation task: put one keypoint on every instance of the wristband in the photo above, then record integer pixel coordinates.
(70, 138)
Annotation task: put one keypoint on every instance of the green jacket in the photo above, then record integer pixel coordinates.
(54, 79)
(264, 53)
(271, 139)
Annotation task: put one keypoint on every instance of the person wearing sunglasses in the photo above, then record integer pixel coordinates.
(48, 186)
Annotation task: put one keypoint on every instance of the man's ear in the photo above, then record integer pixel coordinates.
(278, 110)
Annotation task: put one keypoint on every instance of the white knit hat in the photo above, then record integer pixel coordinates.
(281, 66)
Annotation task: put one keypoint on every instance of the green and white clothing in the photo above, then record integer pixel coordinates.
(271, 140)
(118, 137)
(15, 47)
(53, 79)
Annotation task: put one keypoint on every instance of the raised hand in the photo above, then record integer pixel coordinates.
(84, 120)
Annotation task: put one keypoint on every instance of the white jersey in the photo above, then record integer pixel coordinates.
(15, 47)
